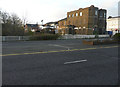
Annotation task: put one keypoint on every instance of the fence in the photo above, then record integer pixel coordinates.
(24, 38)
(15, 38)
(82, 36)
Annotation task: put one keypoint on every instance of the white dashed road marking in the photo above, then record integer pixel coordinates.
(73, 62)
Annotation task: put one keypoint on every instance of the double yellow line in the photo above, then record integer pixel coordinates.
(56, 51)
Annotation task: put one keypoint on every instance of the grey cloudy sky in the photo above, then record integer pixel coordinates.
(53, 10)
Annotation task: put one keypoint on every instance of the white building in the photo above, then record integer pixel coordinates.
(113, 24)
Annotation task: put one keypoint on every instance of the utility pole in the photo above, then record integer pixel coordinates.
(42, 22)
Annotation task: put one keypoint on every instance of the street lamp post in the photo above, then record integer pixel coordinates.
(42, 22)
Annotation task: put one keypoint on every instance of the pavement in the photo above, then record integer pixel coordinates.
(59, 62)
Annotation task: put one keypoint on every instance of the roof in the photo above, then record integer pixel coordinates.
(52, 23)
(32, 25)
(63, 19)
(114, 17)
(92, 6)
(83, 8)
(102, 9)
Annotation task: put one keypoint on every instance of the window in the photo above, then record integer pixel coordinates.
(65, 23)
(96, 12)
(80, 13)
(76, 14)
(104, 15)
(84, 27)
(69, 16)
(101, 14)
(72, 15)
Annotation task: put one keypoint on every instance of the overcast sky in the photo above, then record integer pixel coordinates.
(53, 10)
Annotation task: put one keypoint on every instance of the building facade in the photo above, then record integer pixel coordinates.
(50, 27)
(31, 27)
(62, 26)
(113, 24)
(88, 20)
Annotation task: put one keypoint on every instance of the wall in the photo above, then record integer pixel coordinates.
(89, 20)
(62, 26)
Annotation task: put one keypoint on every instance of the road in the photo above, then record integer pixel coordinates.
(61, 62)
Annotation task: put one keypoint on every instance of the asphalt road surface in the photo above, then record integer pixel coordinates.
(61, 62)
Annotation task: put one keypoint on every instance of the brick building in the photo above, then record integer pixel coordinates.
(62, 26)
(88, 20)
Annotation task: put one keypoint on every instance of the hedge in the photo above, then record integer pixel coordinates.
(45, 37)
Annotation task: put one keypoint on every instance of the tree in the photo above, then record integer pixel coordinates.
(12, 25)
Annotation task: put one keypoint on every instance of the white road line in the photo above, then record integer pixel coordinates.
(59, 46)
(73, 62)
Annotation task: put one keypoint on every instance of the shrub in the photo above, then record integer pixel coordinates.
(117, 36)
(29, 33)
(45, 37)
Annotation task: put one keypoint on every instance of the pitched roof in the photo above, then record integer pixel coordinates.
(32, 25)
(52, 23)
(63, 19)
(114, 17)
